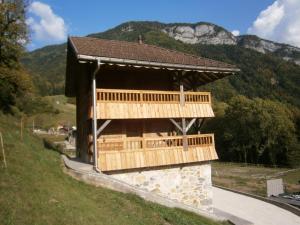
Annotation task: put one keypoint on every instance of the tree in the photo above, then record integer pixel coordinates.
(240, 127)
(14, 80)
(276, 130)
(14, 83)
(256, 131)
(13, 32)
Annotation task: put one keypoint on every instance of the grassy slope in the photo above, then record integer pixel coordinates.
(252, 179)
(34, 190)
(66, 114)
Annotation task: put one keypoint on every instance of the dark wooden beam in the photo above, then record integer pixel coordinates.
(206, 77)
(214, 76)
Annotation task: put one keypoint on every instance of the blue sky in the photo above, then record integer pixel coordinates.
(52, 20)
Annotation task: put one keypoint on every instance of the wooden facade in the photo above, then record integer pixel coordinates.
(142, 115)
(141, 104)
(127, 153)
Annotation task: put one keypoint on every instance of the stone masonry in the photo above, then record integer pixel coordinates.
(190, 185)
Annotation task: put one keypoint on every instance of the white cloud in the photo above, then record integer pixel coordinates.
(45, 25)
(279, 22)
(236, 32)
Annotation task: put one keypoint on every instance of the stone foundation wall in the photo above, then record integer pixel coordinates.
(190, 185)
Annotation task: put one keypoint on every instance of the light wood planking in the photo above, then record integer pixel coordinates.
(149, 111)
(138, 104)
(156, 152)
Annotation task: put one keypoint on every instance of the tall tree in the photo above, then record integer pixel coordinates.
(256, 131)
(13, 31)
(14, 81)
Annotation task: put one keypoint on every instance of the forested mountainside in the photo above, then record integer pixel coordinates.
(47, 66)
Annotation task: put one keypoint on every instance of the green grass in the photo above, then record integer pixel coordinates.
(251, 178)
(293, 178)
(34, 190)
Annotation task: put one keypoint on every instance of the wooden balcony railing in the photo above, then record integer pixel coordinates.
(142, 96)
(140, 104)
(153, 143)
(127, 153)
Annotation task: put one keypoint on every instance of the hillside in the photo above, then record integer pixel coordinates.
(47, 66)
(265, 75)
(34, 190)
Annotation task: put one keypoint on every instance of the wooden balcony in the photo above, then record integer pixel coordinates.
(141, 104)
(129, 153)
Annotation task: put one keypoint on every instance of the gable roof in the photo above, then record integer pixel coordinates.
(142, 54)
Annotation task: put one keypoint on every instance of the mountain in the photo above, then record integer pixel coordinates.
(267, 68)
(210, 34)
(287, 52)
(47, 66)
(200, 33)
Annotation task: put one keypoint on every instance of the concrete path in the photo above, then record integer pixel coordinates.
(256, 211)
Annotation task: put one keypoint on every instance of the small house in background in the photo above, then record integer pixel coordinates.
(136, 106)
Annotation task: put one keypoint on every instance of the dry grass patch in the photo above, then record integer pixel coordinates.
(251, 178)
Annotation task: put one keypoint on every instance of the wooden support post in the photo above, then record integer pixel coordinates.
(182, 103)
(182, 100)
(185, 143)
(143, 138)
(3, 152)
(198, 125)
(123, 134)
(21, 128)
(141, 97)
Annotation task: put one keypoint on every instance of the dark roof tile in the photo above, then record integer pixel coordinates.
(142, 52)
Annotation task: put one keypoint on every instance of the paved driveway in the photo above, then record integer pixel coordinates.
(256, 211)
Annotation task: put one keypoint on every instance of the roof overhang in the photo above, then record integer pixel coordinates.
(155, 65)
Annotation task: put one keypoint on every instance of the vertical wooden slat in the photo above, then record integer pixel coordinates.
(143, 152)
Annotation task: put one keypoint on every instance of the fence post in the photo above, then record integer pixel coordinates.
(3, 152)
(21, 128)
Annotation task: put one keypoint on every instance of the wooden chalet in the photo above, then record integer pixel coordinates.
(136, 103)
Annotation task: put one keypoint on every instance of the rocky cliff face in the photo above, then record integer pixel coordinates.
(206, 33)
(200, 33)
(287, 52)
(257, 44)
